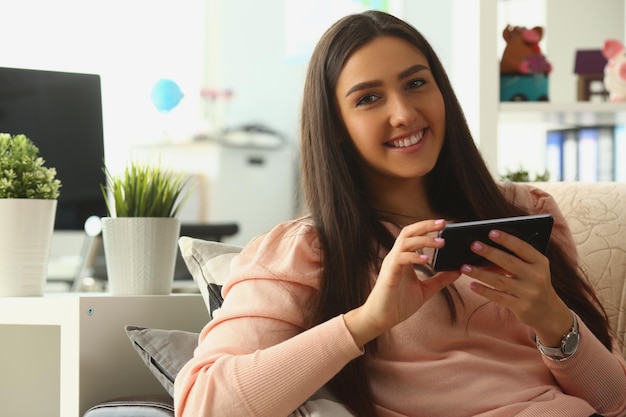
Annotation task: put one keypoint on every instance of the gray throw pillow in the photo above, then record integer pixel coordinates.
(164, 352)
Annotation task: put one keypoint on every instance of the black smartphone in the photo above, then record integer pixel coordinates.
(534, 229)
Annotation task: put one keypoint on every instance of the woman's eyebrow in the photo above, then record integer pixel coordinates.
(412, 70)
(376, 83)
(363, 86)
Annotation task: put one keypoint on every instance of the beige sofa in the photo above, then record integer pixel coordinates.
(596, 214)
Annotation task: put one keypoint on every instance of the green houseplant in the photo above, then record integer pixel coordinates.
(140, 236)
(28, 202)
(23, 174)
(522, 175)
(144, 190)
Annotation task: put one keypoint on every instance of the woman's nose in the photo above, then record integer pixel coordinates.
(401, 111)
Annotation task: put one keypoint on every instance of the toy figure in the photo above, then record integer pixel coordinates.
(523, 68)
(615, 70)
(522, 54)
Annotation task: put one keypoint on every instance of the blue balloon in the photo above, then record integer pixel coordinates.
(166, 95)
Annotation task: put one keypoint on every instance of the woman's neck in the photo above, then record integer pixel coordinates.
(404, 203)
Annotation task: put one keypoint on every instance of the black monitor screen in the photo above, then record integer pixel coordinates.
(61, 112)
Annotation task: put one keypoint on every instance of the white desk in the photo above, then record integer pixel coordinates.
(62, 353)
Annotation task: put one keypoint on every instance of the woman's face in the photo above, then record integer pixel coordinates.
(392, 108)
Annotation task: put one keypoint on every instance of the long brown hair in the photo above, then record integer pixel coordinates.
(460, 186)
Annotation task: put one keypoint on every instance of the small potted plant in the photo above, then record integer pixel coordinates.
(522, 175)
(28, 199)
(140, 236)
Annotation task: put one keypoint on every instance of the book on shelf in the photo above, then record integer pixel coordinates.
(586, 153)
(606, 153)
(619, 149)
(554, 154)
(570, 155)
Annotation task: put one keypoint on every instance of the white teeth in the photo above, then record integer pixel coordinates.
(404, 143)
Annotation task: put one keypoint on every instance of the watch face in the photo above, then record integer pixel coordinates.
(570, 344)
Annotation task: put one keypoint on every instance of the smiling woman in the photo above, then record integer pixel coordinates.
(345, 297)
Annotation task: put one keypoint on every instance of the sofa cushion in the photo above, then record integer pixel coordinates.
(209, 265)
(164, 352)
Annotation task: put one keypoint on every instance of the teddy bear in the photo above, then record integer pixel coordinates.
(615, 70)
(522, 54)
(524, 68)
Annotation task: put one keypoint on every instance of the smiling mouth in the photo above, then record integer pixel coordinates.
(406, 142)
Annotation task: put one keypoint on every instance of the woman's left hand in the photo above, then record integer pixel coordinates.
(521, 283)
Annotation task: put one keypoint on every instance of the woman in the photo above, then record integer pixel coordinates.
(345, 297)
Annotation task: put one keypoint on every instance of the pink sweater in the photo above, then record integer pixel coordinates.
(258, 358)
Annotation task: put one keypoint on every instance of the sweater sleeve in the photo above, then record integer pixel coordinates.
(259, 356)
(593, 374)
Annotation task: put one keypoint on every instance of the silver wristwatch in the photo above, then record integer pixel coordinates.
(568, 347)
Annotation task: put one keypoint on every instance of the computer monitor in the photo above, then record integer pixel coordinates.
(61, 112)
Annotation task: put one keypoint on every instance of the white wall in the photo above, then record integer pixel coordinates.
(248, 57)
(130, 43)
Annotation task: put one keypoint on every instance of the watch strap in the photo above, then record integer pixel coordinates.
(568, 346)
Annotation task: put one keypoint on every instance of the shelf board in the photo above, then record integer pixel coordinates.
(576, 107)
(576, 113)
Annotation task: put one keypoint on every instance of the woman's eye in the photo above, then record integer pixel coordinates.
(417, 83)
(366, 99)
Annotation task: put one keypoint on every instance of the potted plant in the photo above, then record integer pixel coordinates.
(140, 236)
(522, 175)
(28, 199)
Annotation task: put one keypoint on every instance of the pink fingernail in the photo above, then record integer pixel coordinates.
(440, 221)
(477, 246)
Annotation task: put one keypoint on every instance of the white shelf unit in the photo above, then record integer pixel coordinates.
(613, 111)
(63, 353)
(513, 134)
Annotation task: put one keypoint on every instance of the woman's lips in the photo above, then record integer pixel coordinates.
(406, 142)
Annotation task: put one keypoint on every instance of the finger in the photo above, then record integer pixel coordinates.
(520, 247)
(499, 257)
(396, 262)
(438, 282)
(422, 227)
(417, 243)
(493, 294)
(498, 280)
(530, 261)
(496, 269)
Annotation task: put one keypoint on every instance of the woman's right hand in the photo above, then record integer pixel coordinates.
(398, 292)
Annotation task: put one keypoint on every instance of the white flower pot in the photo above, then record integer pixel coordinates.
(140, 254)
(26, 227)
